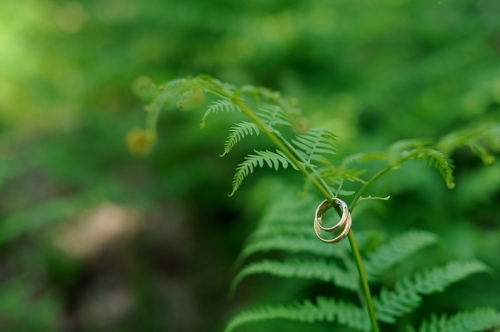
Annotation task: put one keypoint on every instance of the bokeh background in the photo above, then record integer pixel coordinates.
(94, 239)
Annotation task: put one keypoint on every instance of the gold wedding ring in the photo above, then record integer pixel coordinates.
(345, 221)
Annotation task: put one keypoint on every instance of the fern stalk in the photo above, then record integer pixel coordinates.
(322, 188)
(369, 183)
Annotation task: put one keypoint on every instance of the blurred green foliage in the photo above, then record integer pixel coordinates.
(372, 72)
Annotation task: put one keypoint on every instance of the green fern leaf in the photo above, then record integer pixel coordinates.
(272, 159)
(325, 310)
(286, 215)
(269, 231)
(334, 177)
(353, 159)
(315, 144)
(482, 153)
(441, 163)
(480, 319)
(223, 105)
(396, 250)
(400, 149)
(293, 244)
(476, 139)
(371, 198)
(318, 269)
(237, 133)
(407, 294)
(272, 115)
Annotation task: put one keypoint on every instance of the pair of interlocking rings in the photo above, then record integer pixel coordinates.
(345, 221)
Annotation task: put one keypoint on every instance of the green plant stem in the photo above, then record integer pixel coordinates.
(367, 184)
(363, 281)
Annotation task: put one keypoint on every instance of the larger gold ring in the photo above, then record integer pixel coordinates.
(345, 220)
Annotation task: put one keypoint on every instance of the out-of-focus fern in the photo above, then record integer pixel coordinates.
(407, 293)
(396, 250)
(325, 310)
(479, 319)
(301, 244)
(406, 150)
(477, 139)
(317, 269)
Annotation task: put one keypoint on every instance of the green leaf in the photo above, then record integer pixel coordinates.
(223, 105)
(408, 292)
(293, 244)
(396, 250)
(237, 133)
(272, 159)
(325, 310)
(480, 319)
(318, 269)
(317, 142)
(373, 198)
(272, 115)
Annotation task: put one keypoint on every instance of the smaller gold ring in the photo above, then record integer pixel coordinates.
(325, 206)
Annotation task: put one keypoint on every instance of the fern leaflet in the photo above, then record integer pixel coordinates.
(475, 139)
(441, 163)
(273, 115)
(272, 159)
(223, 105)
(300, 244)
(237, 133)
(396, 250)
(407, 293)
(480, 319)
(481, 152)
(317, 142)
(401, 149)
(304, 269)
(325, 310)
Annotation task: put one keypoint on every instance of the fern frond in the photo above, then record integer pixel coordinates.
(316, 143)
(396, 250)
(372, 198)
(222, 105)
(475, 139)
(272, 230)
(325, 310)
(332, 173)
(272, 115)
(272, 159)
(407, 294)
(400, 149)
(292, 244)
(237, 133)
(441, 163)
(352, 159)
(362, 157)
(286, 215)
(318, 269)
(480, 319)
(481, 152)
